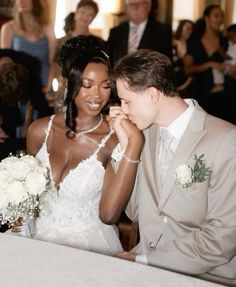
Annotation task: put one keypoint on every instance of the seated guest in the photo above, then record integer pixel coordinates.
(185, 193)
(35, 96)
(14, 87)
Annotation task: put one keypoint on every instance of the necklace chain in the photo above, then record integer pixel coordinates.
(90, 130)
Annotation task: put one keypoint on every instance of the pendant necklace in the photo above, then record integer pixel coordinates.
(90, 130)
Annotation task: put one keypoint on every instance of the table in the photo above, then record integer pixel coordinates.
(26, 262)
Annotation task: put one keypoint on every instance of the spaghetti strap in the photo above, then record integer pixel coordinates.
(49, 128)
(103, 141)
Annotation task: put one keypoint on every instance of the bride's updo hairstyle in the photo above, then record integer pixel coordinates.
(75, 55)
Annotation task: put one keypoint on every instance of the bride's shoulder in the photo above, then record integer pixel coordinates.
(36, 135)
(37, 128)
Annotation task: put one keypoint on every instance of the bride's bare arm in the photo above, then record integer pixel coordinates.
(118, 186)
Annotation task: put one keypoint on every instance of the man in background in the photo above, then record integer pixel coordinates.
(140, 31)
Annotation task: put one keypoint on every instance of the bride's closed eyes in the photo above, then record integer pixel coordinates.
(88, 84)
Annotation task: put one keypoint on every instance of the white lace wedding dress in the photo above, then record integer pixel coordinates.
(69, 214)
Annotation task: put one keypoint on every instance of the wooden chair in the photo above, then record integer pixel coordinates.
(128, 232)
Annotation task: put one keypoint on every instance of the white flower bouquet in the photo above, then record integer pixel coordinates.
(22, 181)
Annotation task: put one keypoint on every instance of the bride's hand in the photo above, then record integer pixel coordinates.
(126, 131)
(17, 225)
(115, 121)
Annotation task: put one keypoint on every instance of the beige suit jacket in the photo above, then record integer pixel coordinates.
(189, 230)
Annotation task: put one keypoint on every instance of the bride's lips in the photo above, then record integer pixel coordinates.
(94, 105)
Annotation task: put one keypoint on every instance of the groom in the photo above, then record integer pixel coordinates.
(185, 193)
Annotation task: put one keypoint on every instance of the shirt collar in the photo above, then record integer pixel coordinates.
(140, 26)
(178, 126)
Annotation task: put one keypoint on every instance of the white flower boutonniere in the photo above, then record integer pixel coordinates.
(186, 175)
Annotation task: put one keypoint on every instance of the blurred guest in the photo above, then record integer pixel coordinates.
(204, 61)
(77, 23)
(230, 70)
(181, 36)
(14, 81)
(30, 32)
(231, 51)
(32, 65)
(69, 23)
(139, 32)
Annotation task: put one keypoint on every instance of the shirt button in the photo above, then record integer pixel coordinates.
(164, 219)
(152, 245)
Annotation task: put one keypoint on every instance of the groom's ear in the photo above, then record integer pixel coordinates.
(154, 94)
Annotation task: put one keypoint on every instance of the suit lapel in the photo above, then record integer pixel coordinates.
(185, 151)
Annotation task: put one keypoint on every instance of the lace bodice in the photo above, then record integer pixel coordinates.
(71, 210)
(76, 200)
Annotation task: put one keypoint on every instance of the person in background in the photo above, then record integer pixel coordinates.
(77, 23)
(14, 87)
(140, 31)
(181, 36)
(84, 185)
(69, 23)
(204, 61)
(230, 71)
(185, 193)
(34, 93)
(30, 32)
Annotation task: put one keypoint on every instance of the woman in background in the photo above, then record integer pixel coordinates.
(204, 61)
(77, 23)
(30, 32)
(181, 36)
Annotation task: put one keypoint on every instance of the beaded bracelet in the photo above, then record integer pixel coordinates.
(130, 160)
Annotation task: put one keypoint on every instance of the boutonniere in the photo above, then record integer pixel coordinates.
(186, 175)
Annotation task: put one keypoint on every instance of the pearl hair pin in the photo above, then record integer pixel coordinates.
(90, 130)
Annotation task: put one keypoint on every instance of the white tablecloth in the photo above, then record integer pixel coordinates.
(31, 263)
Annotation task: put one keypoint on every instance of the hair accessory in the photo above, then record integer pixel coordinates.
(130, 160)
(78, 134)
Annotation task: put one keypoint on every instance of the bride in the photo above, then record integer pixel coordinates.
(77, 147)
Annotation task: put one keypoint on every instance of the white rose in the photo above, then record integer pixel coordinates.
(4, 179)
(42, 169)
(183, 175)
(16, 192)
(8, 161)
(30, 160)
(36, 182)
(18, 169)
(4, 200)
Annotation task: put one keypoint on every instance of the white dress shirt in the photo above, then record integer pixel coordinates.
(140, 29)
